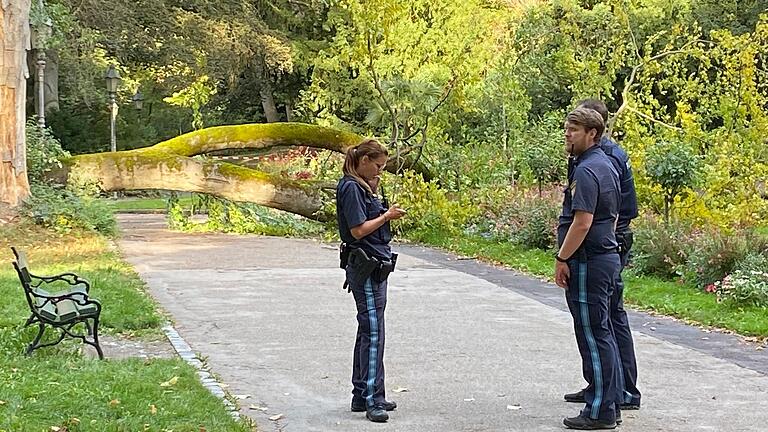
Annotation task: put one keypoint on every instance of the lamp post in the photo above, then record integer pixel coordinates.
(113, 79)
(41, 31)
(138, 100)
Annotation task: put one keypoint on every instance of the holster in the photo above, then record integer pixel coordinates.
(385, 268)
(344, 250)
(625, 239)
(360, 267)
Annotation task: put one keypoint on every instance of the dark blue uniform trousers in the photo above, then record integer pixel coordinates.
(368, 364)
(590, 289)
(624, 342)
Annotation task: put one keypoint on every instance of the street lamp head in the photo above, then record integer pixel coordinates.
(138, 100)
(41, 32)
(113, 79)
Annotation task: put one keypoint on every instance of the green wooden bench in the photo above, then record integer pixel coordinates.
(60, 302)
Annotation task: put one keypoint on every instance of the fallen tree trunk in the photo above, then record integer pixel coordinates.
(170, 165)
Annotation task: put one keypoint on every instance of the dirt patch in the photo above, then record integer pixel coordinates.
(116, 347)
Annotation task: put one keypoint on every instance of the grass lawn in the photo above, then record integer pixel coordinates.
(645, 293)
(59, 388)
(137, 204)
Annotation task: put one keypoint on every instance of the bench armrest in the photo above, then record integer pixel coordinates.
(76, 296)
(70, 278)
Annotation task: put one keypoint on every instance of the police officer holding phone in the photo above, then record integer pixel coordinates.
(587, 264)
(367, 259)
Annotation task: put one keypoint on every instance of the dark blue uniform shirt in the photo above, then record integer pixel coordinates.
(620, 161)
(593, 187)
(355, 205)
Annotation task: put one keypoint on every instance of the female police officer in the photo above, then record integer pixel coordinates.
(364, 229)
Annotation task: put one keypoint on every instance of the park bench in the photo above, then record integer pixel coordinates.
(60, 302)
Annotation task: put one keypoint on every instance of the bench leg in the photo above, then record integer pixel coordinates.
(34, 345)
(95, 335)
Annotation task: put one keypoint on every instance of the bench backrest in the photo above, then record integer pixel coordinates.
(22, 268)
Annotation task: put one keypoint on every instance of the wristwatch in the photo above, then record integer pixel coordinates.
(557, 257)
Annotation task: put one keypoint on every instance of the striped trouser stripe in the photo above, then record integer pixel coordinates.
(591, 343)
(373, 348)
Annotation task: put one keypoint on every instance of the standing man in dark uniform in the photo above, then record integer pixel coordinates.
(630, 398)
(587, 264)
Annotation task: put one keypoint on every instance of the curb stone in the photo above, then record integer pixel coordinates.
(203, 372)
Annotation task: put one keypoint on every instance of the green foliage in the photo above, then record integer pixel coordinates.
(429, 207)
(673, 167)
(545, 154)
(525, 217)
(44, 152)
(63, 211)
(658, 247)
(241, 218)
(61, 208)
(744, 288)
(195, 96)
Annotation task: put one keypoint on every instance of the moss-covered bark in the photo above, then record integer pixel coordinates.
(169, 165)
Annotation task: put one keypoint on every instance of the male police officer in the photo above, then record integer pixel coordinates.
(630, 398)
(587, 264)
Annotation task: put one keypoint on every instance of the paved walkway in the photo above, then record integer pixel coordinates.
(469, 347)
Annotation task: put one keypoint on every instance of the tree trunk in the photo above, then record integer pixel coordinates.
(169, 165)
(14, 42)
(268, 102)
(289, 111)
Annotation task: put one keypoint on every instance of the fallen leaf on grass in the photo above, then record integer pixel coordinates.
(276, 417)
(170, 382)
(114, 402)
(153, 409)
(400, 390)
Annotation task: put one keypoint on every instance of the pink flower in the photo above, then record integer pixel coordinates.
(711, 288)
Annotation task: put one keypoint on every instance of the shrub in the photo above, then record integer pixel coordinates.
(43, 152)
(429, 207)
(62, 210)
(523, 217)
(744, 288)
(658, 248)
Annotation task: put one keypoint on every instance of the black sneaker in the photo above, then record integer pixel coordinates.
(359, 405)
(377, 414)
(618, 417)
(577, 397)
(586, 423)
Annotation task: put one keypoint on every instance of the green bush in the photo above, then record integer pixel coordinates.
(43, 152)
(62, 210)
(430, 208)
(744, 288)
(524, 217)
(238, 217)
(658, 248)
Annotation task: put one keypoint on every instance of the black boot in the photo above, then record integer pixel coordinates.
(586, 423)
(358, 405)
(577, 397)
(377, 414)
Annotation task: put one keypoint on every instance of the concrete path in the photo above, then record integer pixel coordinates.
(469, 347)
